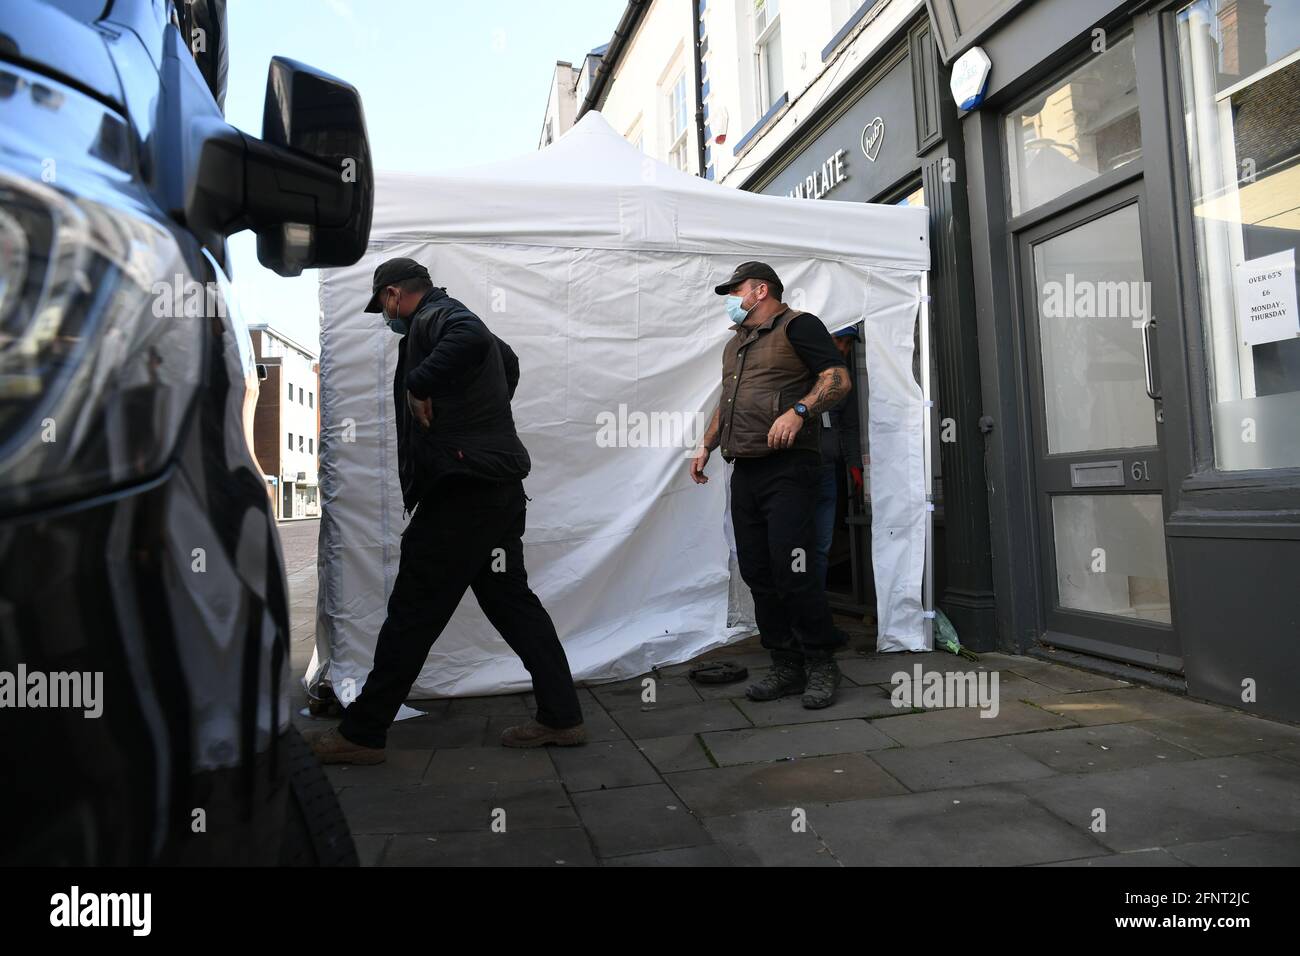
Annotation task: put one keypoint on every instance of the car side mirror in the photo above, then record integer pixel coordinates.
(315, 212)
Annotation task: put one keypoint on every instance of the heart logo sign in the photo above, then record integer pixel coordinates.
(872, 137)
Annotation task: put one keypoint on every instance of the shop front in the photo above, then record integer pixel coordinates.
(890, 134)
(1133, 179)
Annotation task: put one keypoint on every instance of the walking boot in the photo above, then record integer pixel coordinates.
(823, 679)
(785, 678)
(534, 734)
(332, 747)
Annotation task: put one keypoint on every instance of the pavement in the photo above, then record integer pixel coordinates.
(1075, 769)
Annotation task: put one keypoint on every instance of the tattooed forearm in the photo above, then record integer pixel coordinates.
(832, 385)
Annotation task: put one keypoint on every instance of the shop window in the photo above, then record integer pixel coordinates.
(770, 82)
(1078, 129)
(1240, 66)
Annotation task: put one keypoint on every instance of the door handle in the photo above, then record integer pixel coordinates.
(1146, 359)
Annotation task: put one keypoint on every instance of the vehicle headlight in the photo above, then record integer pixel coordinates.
(97, 370)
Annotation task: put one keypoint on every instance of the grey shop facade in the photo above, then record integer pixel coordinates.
(1114, 323)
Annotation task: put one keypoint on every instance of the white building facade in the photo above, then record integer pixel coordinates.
(287, 423)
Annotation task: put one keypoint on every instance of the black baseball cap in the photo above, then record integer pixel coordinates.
(749, 270)
(391, 272)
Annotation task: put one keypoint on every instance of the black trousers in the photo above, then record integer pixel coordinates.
(451, 543)
(773, 513)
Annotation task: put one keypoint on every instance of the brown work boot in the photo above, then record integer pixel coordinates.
(533, 734)
(333, 747)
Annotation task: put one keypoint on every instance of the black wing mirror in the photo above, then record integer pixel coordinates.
(309, 179)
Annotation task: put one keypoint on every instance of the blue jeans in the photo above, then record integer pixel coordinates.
(827, 490)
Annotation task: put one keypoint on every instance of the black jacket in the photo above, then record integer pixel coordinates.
(450, 357)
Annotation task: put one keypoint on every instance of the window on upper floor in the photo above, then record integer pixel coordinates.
(678, 121)
(300, 401)
(300, 439)
(311, 399)
(309, 447)
(291, 391)
(769, 82)
(291, 441)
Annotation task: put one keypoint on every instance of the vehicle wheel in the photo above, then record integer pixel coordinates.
(316, 832)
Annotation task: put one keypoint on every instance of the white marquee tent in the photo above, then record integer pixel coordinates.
(597, 265)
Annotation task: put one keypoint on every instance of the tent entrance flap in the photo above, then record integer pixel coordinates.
(597, 266)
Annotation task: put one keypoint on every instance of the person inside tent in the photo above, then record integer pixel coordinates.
(780, 371)
(841, 454)
(461, 466)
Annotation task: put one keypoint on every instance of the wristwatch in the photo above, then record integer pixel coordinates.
(801, 410)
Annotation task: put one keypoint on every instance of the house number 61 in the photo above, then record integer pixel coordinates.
(1140, 471)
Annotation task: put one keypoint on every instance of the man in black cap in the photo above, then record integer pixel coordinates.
(462, 466)
(780, 371)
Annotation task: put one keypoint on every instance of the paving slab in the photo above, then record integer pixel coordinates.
(769, 838)
(1137, 858)
(401, 768)
(965, 763)
(638, 820)
(567, 846)
(850, 702)
(1169, 804)
(436, 732)
(972, 826)
(456, 806)
(627, 694)
(965, 723)
(1225, 733)
(1123, 705)
(370, 848)
(1099, 748)
(707, 856)
(666, 721)
(492, 764)
(513, 704)
(679, 752)
(791, 742)
(787, 784)
(603, 765)
(600, 726)
(881, 668)
(1254, 849)
(1063, 678)
(732, 690)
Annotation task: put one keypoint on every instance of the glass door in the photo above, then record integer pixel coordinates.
(1095, 418)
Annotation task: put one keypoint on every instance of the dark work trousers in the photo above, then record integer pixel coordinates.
(773, 514)
(449, 546)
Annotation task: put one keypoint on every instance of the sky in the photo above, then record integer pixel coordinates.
(444, 84)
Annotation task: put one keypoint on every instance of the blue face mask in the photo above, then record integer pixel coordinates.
(396, 323)
(735, 311)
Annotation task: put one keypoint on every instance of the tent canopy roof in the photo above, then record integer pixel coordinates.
(593, 189)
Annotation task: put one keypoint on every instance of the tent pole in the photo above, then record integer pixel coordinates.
(927, 588)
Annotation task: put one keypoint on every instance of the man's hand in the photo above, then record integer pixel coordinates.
(784, 430)
(422, 409)
(698, 462)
